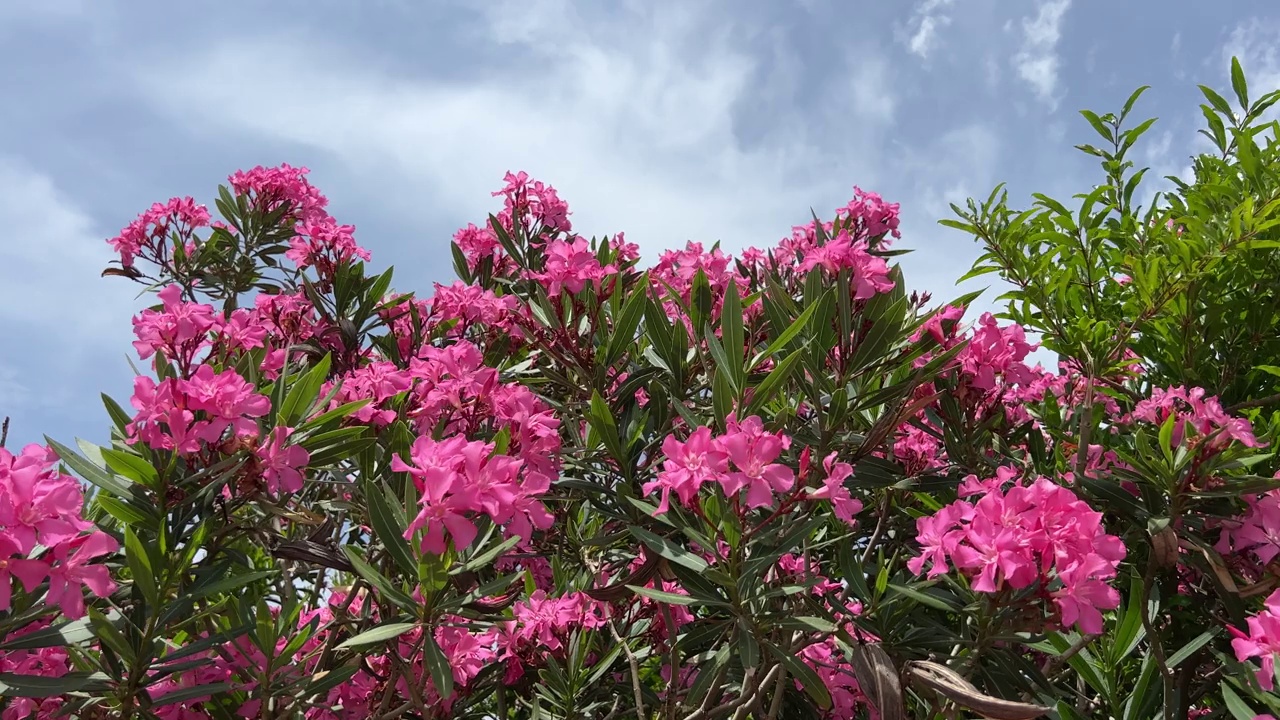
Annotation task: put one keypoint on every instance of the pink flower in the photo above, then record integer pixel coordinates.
(445, 498)
(14, 563)
(149, 235)
(70, 572)
(1085, 592)
(179, 329)
(938, 536)
(1025, 535)
(281, 463)
(689, 464)
(1262, 640)
(833, 489)
(996, 351)
(571, 266)
(870, 274)
(933, 325)
(38, 504)
(753, 451)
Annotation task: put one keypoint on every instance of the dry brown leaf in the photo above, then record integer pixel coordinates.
(951, 685)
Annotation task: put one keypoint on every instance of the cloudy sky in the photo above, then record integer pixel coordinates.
(668, 120)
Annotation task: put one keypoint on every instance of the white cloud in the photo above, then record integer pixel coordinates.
(68, 329)
(1037, 61)
(1254, 42)
(929, 17)
(631, 118)
(50, 260)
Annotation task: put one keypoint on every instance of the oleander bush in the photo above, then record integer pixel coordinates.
(776, 485)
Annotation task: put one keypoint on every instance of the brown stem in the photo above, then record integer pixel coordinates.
(880, 523)
(1259, 402)
(635, 670)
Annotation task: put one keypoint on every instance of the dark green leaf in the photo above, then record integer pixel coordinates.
(377, 635)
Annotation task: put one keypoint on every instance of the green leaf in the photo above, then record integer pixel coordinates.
(378, 580)
(1216, 100)
(731, 330)
(131, 466)
(600, 417)
(626, 324)
(1238, 83)
(388, 530)
(1098, 125)
(302, 396)
(1269, 369)
(324, 681)
(377, 635)
(808, 622)
(698, 586)
(109, 635)
(813, 685)
(669, 550)
(724, 366)
(1129, 631)
(1190, 648)
(337, 413)
(139, 561)
(483, 559)
(88, 470)
(438, 664)
(1133, 99)
(73, 632)
(772, 383)
(192, 692)
(662, 595)
(922, 597)
(786, 336)
(41, 686)
(228, 584)
(124, 511)
(1239, 709)
(1135, 706)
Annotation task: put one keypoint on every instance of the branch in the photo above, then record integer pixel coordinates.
(1259, 402)
(635, 670)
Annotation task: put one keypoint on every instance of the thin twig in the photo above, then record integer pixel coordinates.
(635, 670)
(4, 430)
(1056, 661)
(880, 523)
(778, 691)
(1259, 402)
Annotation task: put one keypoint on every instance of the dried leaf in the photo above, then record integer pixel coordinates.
(878, 679)
(951, 685)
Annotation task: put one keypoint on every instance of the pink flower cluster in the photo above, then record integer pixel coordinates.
(179, 414)
(1262, 641)
(1195, 416)
(1029, 534)
(703, 459)
(40, 516)
(148, 236)
(456, 478)
(466, 306)
(533, 203)
(540, 626)
(50, 662)
(1257, 531)
(571, 265)
(995, 351)
(320, 241)
(869, 273)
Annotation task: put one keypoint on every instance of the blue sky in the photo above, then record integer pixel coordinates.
(668, 120)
